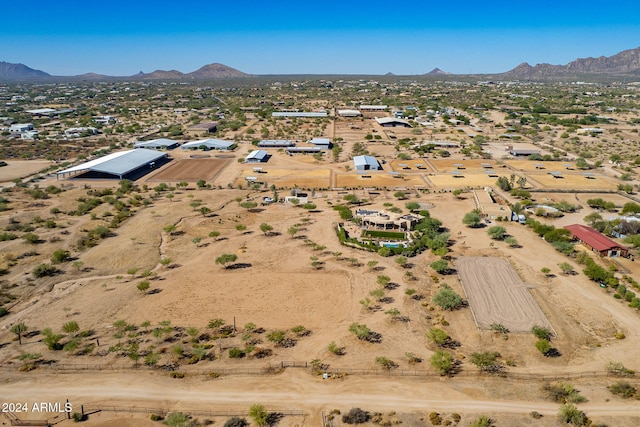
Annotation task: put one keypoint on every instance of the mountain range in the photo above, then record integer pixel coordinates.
(10, 71)
(625, 63)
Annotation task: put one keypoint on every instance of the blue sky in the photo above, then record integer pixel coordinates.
(326, 37)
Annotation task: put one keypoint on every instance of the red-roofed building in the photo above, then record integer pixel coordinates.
(596, 241)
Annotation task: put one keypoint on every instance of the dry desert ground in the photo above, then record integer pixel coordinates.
(308, 287)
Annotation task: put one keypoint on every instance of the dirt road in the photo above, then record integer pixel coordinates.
(295, 390)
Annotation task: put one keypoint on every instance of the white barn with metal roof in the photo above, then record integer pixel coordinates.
(157, 144)
(209, 144)
(118, 165)
(257, 156)
(363, 163)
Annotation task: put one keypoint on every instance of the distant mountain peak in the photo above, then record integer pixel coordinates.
(626, 62)
(19, 71)
(436, 71)
(216, 70)
(389, 74)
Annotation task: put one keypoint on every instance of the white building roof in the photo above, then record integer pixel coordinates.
(218, 144)
(385, 120)
(161, 142)
(321, 141)
(349, 113)
(299, 114)
(119, 163)
(256, 154)
(366, 160)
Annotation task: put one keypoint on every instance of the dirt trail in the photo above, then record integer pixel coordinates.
(291, 390)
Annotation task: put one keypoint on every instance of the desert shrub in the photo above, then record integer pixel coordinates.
(435, 419)
(236, 422)
(570, 414)
(356, 416)
(619, 370)
(177, 419)
(447, 298)
(541, 332)
(563, 393)
(482, 421)
(77, 417)
(236, 353)
(60, 256)
(624, 390)
(44, 270)
(155, 417)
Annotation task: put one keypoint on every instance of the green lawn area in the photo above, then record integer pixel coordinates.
(384, 234)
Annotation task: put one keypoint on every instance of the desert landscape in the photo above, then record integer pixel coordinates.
(215, 288)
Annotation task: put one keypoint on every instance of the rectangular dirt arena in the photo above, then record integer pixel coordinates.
(190, 170)
(497, 295)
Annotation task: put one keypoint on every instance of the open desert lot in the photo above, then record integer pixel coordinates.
(379, 179)
(497, 295)
(466, 165)
(21, 168)
(573, 181)
(463, 180)
(303, 178)
(189, 170)
(537, 166)
(388, 291)
(414, 165)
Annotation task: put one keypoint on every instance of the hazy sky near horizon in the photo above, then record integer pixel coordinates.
(122, 38)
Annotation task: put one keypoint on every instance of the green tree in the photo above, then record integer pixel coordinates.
(412, 206)
(177, 419)
(447, 298)
(543, 346)
(442, 361)
(570, 414)
(486, 361)
(482, 421)
(497, 232)
(438, 336)
(31, 238)
(292, 231)
(266, 228)
(440, 266)
(566, 268)
(386, 363)
(19, 329)
(362, 332)
(71, 327)
(29, 360)
(241, 228)
(60, 256)
(51, 340)
(205, 211)
(43, 270)
(541, 332)
(170, 229)
(225, 259)
(143, 286)
(504, 184)
(511, 241)
(259, 415)
(472, 219)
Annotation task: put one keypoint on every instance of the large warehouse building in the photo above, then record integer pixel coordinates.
(130, 164)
